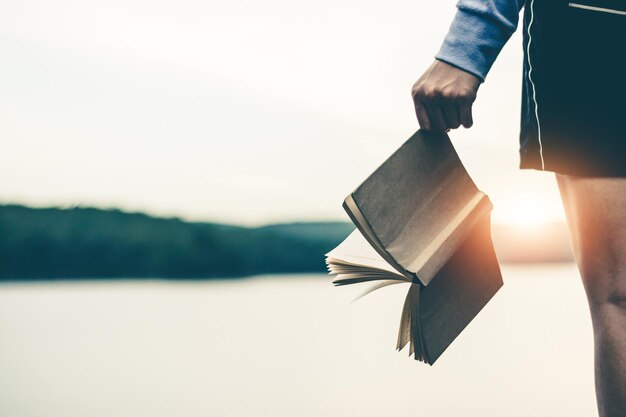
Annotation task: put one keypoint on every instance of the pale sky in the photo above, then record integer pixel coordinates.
(235, 111)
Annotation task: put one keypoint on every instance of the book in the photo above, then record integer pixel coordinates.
(421, 221)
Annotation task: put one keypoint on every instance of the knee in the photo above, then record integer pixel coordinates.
(606, 290)
(608, 302)
(617, 300)
(603, 271)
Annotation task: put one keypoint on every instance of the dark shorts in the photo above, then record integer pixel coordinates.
(574, 87)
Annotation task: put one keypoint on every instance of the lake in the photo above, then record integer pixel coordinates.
(289, 346)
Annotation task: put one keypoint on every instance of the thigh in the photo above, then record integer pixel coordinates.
(596, 213)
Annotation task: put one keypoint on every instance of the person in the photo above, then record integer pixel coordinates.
(572, 114)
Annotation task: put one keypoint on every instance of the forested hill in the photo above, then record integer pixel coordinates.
(47, 243)
(50, 243)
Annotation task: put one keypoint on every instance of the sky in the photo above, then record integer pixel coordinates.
(236, 111)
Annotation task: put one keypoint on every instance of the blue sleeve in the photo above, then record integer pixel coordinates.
(478, 32)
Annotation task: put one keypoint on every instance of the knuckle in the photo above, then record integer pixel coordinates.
(449, 94)
(431, 93)
(417, 89)
(467, 94)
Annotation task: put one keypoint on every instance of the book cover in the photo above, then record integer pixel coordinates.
(421, 220)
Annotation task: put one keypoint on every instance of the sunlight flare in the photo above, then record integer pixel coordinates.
(528, 212)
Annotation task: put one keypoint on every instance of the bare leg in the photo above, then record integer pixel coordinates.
(596, 213)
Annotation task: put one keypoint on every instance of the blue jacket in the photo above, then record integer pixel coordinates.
(478, 32)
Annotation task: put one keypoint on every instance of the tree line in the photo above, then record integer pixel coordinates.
(81, 242)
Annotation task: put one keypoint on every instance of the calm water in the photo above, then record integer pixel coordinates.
(287, 346)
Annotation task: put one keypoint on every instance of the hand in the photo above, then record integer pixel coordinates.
(443, 97)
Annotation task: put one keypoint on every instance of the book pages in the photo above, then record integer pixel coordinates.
(419, 205)
(356, 251)
(421, 220)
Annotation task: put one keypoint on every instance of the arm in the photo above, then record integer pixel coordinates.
(478, 32)
(444, 94)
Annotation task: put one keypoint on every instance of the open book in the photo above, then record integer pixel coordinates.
(421, 220)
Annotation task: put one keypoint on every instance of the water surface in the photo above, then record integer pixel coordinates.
(289, 346)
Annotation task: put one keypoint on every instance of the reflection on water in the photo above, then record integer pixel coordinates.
(287, 346)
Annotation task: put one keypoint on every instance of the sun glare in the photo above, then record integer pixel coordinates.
(528, 212)
(528, 218)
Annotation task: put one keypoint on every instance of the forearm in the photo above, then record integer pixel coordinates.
(478, 32)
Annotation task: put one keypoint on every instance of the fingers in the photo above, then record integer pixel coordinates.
(429, 115)
(443, 115)
(422, 115)
(443, 97)
(465, 115)
(450, 114)
(438, 117)
(438, 121)
(440, 112)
